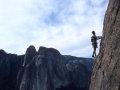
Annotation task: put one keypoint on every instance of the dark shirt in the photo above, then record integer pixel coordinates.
(94, 39)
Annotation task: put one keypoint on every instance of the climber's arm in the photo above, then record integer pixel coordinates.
(99, 37)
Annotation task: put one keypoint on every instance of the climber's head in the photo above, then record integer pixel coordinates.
(93, 32)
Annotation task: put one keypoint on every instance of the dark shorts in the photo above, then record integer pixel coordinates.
(94, 45)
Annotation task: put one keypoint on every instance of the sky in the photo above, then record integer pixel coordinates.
(65, 25)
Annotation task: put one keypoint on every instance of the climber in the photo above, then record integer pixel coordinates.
(94, 42)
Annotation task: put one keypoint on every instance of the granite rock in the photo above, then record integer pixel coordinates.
(106, 68)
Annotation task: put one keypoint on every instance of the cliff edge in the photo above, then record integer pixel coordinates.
(106, 68)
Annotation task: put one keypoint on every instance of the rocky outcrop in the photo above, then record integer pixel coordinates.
(45, 72)
(9, 66)
(30, 53)
(106, 68)
(46, 69)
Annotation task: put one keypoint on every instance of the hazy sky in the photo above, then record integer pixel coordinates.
(62, 24)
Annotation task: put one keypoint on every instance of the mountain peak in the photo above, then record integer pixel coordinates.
(2, 51)
(30, 53)
(31, 48)
(45, 49)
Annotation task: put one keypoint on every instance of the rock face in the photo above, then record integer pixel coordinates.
(46, 69)
(106, 69)
(30, 53)
(81, 80)
(45, 72)
(9, 66)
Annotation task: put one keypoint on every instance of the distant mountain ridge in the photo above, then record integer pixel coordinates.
(72, 61)
(45, 69)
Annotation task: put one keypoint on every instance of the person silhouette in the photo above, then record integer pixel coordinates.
(94, 42)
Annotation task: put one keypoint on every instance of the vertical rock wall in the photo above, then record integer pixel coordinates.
(106, 68)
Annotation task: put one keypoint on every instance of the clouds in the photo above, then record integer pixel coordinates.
(64, 25)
